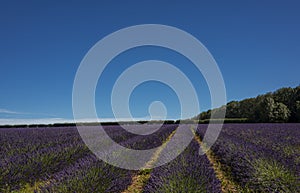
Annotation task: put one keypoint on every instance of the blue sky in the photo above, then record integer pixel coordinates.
(256, 45)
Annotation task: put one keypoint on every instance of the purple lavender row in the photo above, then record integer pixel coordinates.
(88, 174)
(282, 140)
(29, 154)
(92, 175)
(156, 139)
(253, 155)
(189, 172)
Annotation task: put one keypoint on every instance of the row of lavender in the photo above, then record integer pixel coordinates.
(30, 154)
(189, 172)
(92, 175)
(260, 157)
(55, 157)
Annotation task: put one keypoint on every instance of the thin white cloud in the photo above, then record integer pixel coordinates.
(5, 111)
(10, 112)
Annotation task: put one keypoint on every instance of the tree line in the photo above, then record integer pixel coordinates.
(283, 105)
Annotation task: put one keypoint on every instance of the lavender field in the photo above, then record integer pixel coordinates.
(245, 158)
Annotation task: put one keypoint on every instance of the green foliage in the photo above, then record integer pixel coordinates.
(270, 176)
(281, 113)
(145, 171)
(233, 109)
(226, 120)
(270, 111)
(282, 105)
(182, 183)
(218, 112)
(297, 110)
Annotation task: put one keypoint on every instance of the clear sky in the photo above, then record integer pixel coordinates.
(256, 45)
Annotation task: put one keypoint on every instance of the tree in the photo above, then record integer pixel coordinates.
(218, 112)
(288, 96)
(265, 109)
(270, 111)
(298, 111)
(247, 108)
(281, 113)
(285, 96)
(233, 109)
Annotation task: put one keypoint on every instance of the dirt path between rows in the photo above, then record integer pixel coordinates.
(227, 185)
(140, 179)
